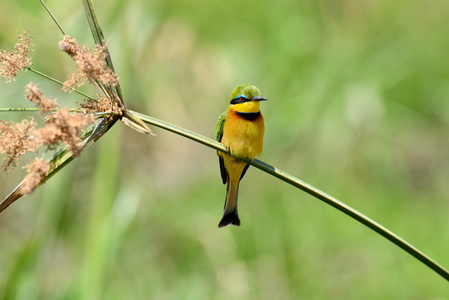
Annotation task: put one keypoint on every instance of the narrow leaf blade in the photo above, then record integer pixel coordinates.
(99, 39)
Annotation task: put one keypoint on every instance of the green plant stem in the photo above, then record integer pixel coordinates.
(35, 109)
(19, 109)
(308, 189)
(58, 82)
(53, 17)
(31, 109)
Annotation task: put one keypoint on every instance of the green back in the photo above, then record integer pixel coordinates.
(219, 127)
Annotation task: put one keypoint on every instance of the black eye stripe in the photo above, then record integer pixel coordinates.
(239, 99)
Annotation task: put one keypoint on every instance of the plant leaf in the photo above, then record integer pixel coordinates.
(133, 121)
(99, 39)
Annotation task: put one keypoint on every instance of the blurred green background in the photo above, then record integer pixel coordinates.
(358, 108)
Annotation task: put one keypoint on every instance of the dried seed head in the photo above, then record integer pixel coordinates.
(37, 170)
(69, 45)
(12, 62)
(63, 127)
(60, 127)
(34, 95)
(91, 64)
(16, 140)
(101, 105)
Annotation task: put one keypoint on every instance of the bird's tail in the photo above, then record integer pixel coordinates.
(230, 215)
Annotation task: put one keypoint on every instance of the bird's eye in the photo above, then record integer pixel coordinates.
(239, 99)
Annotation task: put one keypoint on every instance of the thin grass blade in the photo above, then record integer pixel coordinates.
(58, 82)
(99, 39)
(133, 121)
(53, 17)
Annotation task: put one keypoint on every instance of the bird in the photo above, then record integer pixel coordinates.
(240, 129)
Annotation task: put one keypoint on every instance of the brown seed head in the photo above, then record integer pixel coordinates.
(12, 62)
(16, 140)
(91, 64)
(37, 170)
(63, 127)
(34, 95)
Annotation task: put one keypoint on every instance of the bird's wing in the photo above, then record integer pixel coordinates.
(219, 127)
(218, 135)
(244, 171)
(223, 171)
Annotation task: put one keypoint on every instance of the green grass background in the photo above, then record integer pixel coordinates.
(358, 108)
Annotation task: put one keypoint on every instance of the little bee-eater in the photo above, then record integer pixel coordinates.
(240, 129)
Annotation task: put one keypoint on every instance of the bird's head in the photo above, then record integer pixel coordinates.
(245, 98)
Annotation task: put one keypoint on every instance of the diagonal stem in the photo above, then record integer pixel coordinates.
(53, 17)
(58, 82)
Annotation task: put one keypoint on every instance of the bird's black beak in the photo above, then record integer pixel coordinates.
(258, 98)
